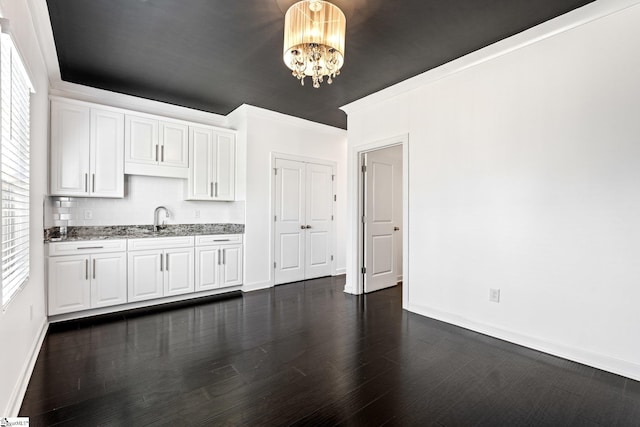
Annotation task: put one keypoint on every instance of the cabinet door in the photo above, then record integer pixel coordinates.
(69, 149)
(108, 279)
(231, 266)
(199, 183)
(141, 140)
(178, 266)
(69, 287)
(174, 144)
(225, 167)
(145, 275)
(207, 268)
(107, 154)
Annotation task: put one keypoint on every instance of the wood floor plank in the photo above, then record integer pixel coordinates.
(308, 354)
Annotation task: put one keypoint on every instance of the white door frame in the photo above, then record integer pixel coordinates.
(357, 246)
(305, 159)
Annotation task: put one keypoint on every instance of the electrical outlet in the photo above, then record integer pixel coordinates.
(196, 213)
(88, 214)
(494, 295)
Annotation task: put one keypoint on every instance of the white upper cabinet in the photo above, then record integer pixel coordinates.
(87, 146)
(156, 147)
(212, 165)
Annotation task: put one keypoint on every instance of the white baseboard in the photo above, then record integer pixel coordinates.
(250, 287)
(599, 361)
(17, 396)
(340, 271)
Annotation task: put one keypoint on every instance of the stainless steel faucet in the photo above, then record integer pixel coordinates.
(156, 226)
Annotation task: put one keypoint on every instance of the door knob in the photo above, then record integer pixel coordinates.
(396, 228)
(308, 226)
(302, 227)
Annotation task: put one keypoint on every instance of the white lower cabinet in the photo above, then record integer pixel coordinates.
(86, 279)
(86, 275)
(162, 272)
(218, 262)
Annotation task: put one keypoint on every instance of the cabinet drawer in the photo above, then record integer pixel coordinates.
(80, 247)
(218, 239)
(160, 243)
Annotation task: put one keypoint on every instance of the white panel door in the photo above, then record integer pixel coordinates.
(141, 140)
(70, 134)
(225, 167)
(107, 154)
(108, 279)
(319, 211)
(178, 268)
(69, 287)
(200, 184)
(380, 260)
(208, 261)
(290, 221)
(145, 275)
(174, 144)
(231, 272)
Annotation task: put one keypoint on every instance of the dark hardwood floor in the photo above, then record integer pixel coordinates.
(308, 354)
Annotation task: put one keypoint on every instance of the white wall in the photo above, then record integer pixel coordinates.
(267, 133)
(23, 324)
(523, 175)
(142, 195)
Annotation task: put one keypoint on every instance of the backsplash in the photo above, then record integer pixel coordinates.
(142, 195)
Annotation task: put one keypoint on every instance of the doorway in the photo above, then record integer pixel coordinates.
(303, 208)
(381, 209)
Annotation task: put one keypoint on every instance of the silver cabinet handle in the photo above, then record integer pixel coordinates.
(86, 269)
(221, 240)
(219, 257)
(94, 268)
(86, 187)
(396, 228)
(89, 247)
(166, 264)
(224, 256)
(303, 227)
(216, 189)
(93, 182)
(162, 153)
(161, 261)
(156, 152)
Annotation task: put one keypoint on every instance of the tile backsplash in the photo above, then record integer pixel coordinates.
(142, 195)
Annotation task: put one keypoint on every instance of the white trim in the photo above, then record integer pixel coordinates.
(289, 120)
(621, 367)
(17, 395)
(356, 286)
(340, 271)
(257, 286)
(583, 15)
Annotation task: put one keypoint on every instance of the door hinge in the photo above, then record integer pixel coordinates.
(275, 171)
(331, 217)
(363, 270)
(364, 168)
(333, 177)
(335, 198)
(331, 257)
(275, 218)
(274, 264)
(364, 219)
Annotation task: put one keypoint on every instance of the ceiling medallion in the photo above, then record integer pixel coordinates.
(314, 40)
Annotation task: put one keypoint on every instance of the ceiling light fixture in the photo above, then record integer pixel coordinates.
(314, 40)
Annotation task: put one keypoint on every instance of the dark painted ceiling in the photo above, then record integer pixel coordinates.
(215, 55)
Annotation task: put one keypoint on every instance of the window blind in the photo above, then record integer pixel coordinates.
(15, 90)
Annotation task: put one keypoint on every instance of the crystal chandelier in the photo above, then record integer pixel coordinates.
(314, 40)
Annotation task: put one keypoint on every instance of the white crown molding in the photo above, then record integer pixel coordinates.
(561, 24)
(44, 32)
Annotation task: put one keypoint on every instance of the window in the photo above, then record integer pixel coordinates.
(15, 89)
